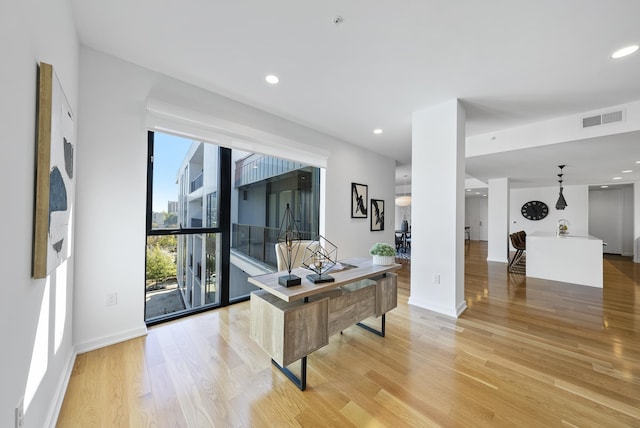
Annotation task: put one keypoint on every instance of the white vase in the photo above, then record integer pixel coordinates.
(383, 260)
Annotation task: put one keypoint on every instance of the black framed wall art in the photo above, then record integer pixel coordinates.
(377, 215)
(359, 200)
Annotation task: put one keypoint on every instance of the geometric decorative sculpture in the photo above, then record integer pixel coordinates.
(320, 256)
(289, 240)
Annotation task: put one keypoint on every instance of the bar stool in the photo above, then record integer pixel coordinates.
(518, 263)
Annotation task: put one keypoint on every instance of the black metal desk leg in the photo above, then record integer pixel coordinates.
(300, 382)
(373, 330)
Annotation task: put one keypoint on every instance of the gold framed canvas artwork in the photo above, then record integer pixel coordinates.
(55, 184)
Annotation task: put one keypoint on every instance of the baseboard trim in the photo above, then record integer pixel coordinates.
(448, 311)
(54, 411)
(461, 308)
(110, 340)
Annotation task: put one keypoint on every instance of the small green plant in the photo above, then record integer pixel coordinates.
(381, 249)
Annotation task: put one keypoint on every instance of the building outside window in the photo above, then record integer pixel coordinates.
(187, 258)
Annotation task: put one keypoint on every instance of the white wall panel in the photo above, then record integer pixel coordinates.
(498, 228)
(36, 315)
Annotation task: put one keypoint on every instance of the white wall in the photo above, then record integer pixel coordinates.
(477, 218)
(36, 315)
(613, 223)
(627, 220)
(347, 164)
(636, 222)
(576, 212)
(112, 193)
(498, 228)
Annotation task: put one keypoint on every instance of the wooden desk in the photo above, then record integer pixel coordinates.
(290, 323)
(364, 269)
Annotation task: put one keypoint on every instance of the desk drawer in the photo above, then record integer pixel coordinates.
(357, 302)
(288, 331)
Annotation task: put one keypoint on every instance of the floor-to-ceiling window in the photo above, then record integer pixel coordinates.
(212, 221)
(262, 188)
(185, 249)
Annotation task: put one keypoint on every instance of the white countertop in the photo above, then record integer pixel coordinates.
(554, 235)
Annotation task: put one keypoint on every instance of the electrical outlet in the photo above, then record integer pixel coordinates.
(436, 279)
(20, 414)
(112, 299)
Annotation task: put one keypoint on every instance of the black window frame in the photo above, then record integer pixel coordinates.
(223, 229)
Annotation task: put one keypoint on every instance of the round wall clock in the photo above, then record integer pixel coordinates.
(534, 210)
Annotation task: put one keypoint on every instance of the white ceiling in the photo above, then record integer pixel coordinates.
(510, 62)
(588, 162)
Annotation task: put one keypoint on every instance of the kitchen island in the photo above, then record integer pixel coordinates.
(568, 258)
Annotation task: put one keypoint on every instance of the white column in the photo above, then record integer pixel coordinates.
(498, 246)
(636, 222)
(437, 209)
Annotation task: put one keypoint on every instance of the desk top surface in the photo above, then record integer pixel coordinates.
(363, 269)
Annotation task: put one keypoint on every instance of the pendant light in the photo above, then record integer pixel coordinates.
(405, 200)
(562, 203)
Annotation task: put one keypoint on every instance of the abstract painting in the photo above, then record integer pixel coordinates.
(377, 215)
(55, 165)
(359, 200)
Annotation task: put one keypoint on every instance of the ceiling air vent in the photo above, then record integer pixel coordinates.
(614, 116)
(591, 121)
(603, 119)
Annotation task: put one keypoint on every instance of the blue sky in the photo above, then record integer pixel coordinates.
(168, 154)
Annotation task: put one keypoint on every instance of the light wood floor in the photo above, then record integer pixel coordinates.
(525, 353)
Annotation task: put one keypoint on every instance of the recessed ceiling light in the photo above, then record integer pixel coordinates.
(637, 161)
(624, 51)
(626, 171)
(617, 178)
(377, 131)
(477, 193)
(604, 187)
(272, 78)
(484, 196)
(468, 190)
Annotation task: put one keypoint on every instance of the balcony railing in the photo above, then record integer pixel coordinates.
(197, 183)
(258, 242)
